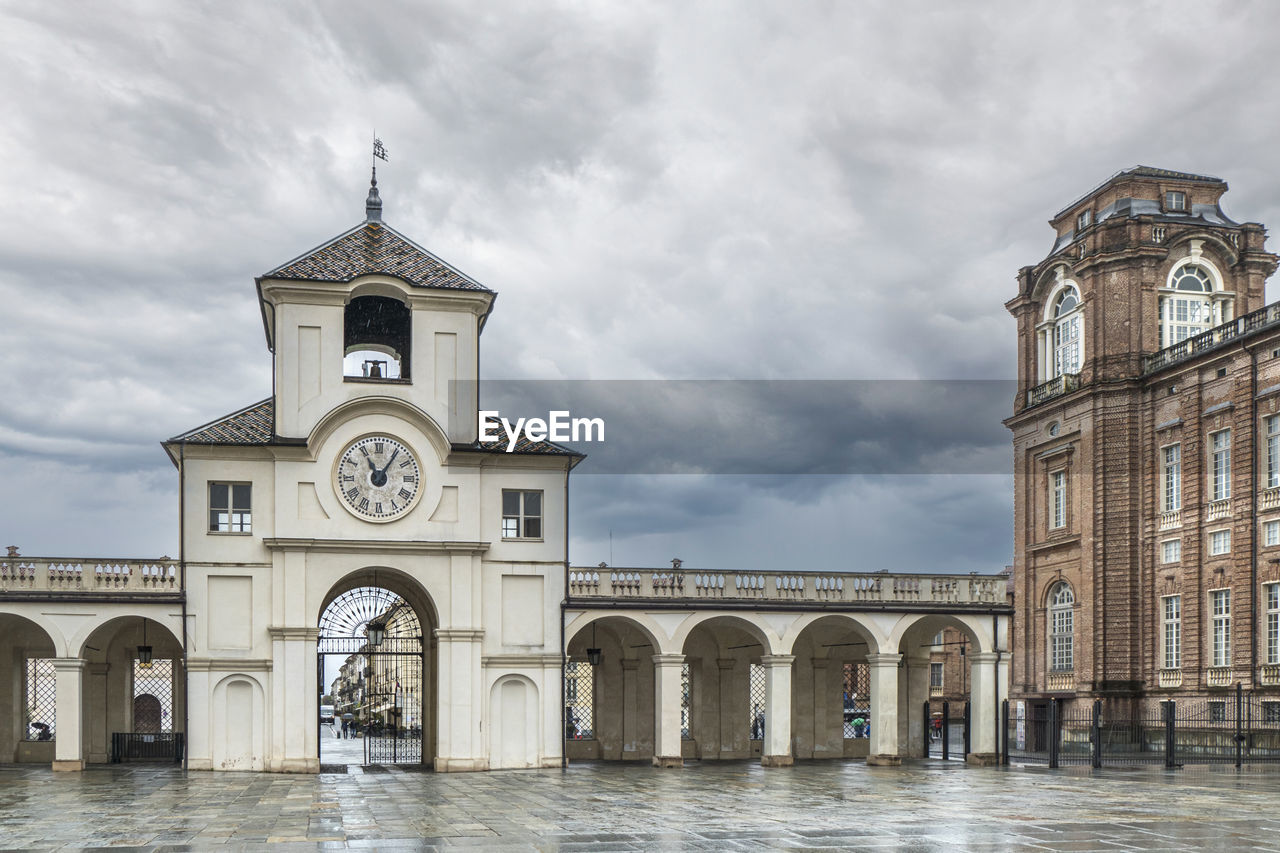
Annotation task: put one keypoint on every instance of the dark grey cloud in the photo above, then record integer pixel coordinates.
(674, 191)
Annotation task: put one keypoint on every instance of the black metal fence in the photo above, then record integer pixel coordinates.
(147, 746)
(404, 747)
(947, 733)
(1240, 728)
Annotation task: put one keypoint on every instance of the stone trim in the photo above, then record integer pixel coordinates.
(531, 659)
(227, 665)
(281, 632)
(473, 635)
(377, 545)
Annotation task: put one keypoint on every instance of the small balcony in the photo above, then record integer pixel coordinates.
(1218, 676)
(1055, 387)
(1269, 499)
(1057, 682)
(1171, 520)
(1269, 675)
(935, 691)
(74, 578)
(1218, 509)
(1170, 678)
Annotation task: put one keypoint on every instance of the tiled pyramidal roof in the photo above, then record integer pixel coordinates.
(254, 425)
(374, 247)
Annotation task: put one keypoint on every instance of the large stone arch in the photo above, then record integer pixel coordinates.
(643, 622)
(831, 683)
(768, 637)
(23, 637)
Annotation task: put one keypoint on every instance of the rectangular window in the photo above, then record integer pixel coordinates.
(935, 675)
(1271, 713)
(1221, 610)
(1171, 551)
(229, 508)
(1272, 426)
(1220, 470)
(1058, 500)
(1175, 200)
(1271, 533)
(1273, 622)
(1172, 478)
(1172, 631)
(1219, 542)
(1082, 221)
(1217, 712)
(521, 514)
(938, 639)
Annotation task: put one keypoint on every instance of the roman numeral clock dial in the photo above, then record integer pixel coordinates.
(377, 478)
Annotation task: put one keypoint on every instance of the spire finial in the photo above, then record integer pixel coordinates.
(373, 204)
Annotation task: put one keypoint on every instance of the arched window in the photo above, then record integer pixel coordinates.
(1061, 628)
(1061, 333)
(1066, 332)
(1190, 303)
(376, 338)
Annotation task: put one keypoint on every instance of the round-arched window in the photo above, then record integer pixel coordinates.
(1193, 278)
(1190, 308)
(1061, 627)
(1066, 316)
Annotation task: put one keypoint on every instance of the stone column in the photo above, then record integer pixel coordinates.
(68, 748)
(295, 685)
(913, 692)
(630, 714)
(821, 707)
(97, 723)
(666, 711)
(777, 713)
(884, 709)
(726, 704)
(984, 707)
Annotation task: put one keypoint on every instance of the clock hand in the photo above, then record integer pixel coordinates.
(389, 461)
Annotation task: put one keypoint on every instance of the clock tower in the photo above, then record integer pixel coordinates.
(364, 471)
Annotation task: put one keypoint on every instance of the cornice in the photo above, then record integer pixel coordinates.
(393, 546)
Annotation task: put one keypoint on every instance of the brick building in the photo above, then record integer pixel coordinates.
(1146, 437)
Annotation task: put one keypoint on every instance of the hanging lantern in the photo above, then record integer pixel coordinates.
(376, 632)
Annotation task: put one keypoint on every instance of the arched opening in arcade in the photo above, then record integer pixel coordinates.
(609, 687)
(938, 683)
(725, 690)
(833, 712)
(133, 696)
(30, 691)
(377, 663)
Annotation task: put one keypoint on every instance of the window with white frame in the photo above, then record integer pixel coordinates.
(1061, 628)
(935, 675)
(1057, 500)
(1066, 317)
(1220, 466)
(521, 514)
(1172, 623)
(1083, 219)
(1171, 550)
(1219, 542)
(230, 508)
(1175, 201)
(1220, 609)
(1271, 533)
(1272, 427)
(1273, 622)
(1187, 308)
(1172, 471)
(938, 640)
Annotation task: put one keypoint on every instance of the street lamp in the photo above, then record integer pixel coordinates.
(594, 655)
(144, 650)
(377, 632)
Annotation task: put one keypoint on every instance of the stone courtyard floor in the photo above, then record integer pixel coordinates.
(922, 806)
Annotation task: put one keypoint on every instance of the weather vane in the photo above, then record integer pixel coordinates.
(379, 151)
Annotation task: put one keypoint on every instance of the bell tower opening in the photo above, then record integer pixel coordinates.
(377, 335)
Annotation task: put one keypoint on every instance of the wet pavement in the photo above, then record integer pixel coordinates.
(922, 806)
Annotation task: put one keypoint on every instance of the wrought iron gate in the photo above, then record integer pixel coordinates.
(379, 694)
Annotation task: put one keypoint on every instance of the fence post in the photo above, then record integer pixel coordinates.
(967, 720)
(928, 732)
(1170, 733)
(1239, 724)
(1055, 733)
(1095, 733)
(1004, 732)
(946, 730)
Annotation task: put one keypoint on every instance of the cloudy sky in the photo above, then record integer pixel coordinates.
(684, 191)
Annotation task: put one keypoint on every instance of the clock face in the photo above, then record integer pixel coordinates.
(377, 478)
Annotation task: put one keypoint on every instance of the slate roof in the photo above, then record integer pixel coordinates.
(251, 425)
(255, 425)
(375, 247)
(1144, 172)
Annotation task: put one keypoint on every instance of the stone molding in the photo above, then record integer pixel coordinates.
(287, 632)
(459, 635)
(668, 660)
(376, 545)
(527, 660)
(777, 660)
(227, 665)
(884, 659)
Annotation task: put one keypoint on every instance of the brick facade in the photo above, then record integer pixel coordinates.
(1091, 442)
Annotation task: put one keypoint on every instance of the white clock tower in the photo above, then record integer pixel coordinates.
(363, 471)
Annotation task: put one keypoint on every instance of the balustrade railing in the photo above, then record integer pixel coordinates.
(1269, 499)
(1055, 387)
(695, 585)
(1253, 321)
(1269, 674)
(1218, 509)
(1170, 678)
(1171, 520)
(74, 577)
(1218, 676)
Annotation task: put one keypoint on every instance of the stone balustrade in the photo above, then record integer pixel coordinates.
(694, 585)
(86, 577)
(1218, 676)
(1171, 520)
(1170, 678)
(1269, 675)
